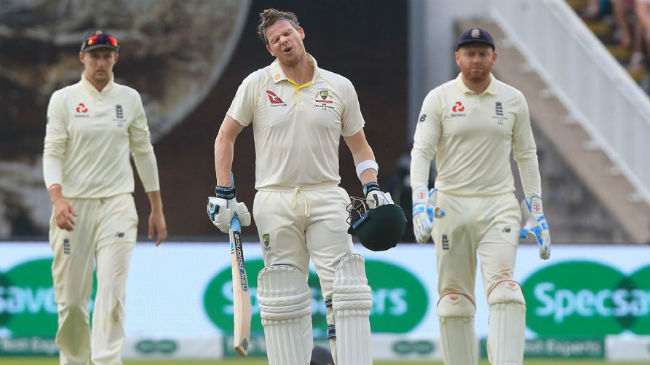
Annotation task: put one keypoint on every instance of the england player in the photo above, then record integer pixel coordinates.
(91, 127)
(470, 125)
(299, 112)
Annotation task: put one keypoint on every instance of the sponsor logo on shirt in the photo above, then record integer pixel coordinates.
(423, 117)
(81, 111)
(274, 99)
(457, 109)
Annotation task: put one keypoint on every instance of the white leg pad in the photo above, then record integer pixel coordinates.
(456, 315)
(507, 324)
(285, 310)
(351, 302)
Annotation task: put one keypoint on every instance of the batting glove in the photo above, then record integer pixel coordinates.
(424, 212)
(224, 206)
(535, 224)
(374, 196)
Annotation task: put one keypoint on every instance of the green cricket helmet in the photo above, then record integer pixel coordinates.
(378, 229)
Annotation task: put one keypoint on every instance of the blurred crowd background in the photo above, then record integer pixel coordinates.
(187, 58)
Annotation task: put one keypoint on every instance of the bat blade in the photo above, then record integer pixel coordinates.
(241, 295)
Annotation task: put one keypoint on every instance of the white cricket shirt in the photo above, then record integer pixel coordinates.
(297, 128)
(472, 137)
(92, 133)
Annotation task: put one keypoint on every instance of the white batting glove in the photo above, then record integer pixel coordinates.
(376, 197)
(535, 224)
(224, 206)
(424, 212)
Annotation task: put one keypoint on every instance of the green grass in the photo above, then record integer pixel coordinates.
(262, 361)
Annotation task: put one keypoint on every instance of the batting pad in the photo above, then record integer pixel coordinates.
(285, 310)
(507, 324)
(351, 302)
(456, 316)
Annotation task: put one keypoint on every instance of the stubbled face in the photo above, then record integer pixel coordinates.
(475, 61)
(98, 64)
(285, 42)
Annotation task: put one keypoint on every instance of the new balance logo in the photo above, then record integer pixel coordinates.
(274, 99)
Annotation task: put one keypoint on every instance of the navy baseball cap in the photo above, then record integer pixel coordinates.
(475, 35)
(99, 39)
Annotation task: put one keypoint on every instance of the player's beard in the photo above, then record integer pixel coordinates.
(477, 75)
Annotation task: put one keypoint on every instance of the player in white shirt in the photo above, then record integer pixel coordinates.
(91, 127)
(299, 113)
(471, 125)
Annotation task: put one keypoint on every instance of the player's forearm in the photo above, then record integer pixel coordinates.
(147, 168)
(155, 200)
(223, 156)
(362, 154)
(530, 177)
(420, 166)
(55, 193)
(367, 174)
(52, 170)
(224, 149)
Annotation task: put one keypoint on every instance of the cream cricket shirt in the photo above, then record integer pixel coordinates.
(92, 133)
(297, 128)
(471, 137)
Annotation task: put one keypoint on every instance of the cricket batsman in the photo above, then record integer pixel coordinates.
(299, 112)
(471, 125)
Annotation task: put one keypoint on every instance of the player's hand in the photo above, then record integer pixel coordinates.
(64, 214)
(535, 224)
(222, 208)
(157, 223)
(424, 212)
(376, 197)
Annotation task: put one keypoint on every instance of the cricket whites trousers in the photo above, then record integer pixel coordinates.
(103, 237)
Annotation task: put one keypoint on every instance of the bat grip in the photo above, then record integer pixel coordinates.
(234, 224)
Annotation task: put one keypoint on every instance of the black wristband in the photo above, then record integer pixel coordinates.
(371, 186)
(225, 192)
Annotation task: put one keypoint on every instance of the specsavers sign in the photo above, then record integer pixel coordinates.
(183, 290)
(400, 300)
(587, 299)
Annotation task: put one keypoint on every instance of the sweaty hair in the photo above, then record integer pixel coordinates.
(269, 16)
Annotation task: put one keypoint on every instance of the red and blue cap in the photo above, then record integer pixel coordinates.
(99, 40)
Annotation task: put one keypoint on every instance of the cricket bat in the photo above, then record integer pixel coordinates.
(240, 295)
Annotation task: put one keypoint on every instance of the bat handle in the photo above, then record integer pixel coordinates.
(234, 224)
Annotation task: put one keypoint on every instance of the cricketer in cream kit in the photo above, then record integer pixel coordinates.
(86, 154)
(473, 158)
(292, 121)
(92, 133)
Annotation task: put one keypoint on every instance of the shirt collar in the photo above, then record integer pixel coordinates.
(91, 88)
(279, 75)
(493, 87)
